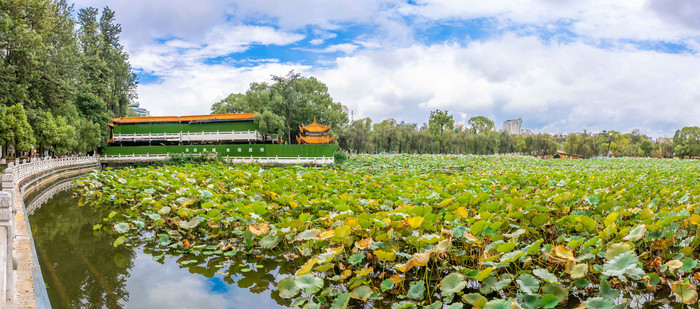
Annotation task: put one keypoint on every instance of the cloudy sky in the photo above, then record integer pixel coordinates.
(560, 65)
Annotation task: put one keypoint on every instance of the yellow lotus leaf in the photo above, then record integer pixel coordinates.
(259, 228)
(415, 222)
(307, 266)
(386, 221)
(364, 243)
(404, 267)
(293, 204)
(564, 252)
(325, 235)
(420, 259)
(351, 222)
(396, 278)
(363, 272)
(674, 264)
(695, 219)
(346, 273)
(462, 212)
(385, 255)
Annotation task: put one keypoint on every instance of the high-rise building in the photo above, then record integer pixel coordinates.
(512, 126)
(137, 111)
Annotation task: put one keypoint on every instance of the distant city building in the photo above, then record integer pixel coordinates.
(137, 111)
(664, 139)
(512, 126)
(526, 132)
(459, 127)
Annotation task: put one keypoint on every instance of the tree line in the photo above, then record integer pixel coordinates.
(61, 79)
(292, 100)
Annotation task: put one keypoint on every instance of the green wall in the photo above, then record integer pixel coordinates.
(246, 150)
(177, 128)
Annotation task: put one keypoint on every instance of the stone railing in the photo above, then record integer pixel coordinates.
(14, 175)
(240, 160)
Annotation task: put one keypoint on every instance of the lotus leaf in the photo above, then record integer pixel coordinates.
(416, 290)
(686, 292)
(452, 283)
(309, 283)
(528, 284)
(287, 287)
(624, 266)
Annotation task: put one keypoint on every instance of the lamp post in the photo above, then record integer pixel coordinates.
(609, 143)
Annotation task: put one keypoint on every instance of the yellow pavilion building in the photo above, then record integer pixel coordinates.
(314, 134)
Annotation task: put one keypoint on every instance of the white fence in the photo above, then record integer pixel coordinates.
(239, 160)
(190, 136)
(14, 174)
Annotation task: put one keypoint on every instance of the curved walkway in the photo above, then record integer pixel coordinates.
(17, 256)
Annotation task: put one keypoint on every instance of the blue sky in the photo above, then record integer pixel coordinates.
(561, 66)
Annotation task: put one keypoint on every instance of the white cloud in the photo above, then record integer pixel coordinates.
(344, 48)
(631, 19)
(192, 89)
(219, 41)
(556, 88)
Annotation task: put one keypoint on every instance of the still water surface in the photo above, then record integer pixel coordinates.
(82, 269)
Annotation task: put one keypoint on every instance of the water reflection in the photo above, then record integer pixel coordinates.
(80, 266)
(82, 269)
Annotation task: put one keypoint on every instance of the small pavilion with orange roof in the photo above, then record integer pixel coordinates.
(314, 134)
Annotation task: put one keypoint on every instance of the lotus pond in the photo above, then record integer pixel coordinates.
(408, 231)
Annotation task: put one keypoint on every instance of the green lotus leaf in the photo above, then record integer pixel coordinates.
(435, 305)
(311, 305)
(297, 302)
(404, 305)
(556, 289)
(120, 240)
(341, 301)
(287, 287)
(511, 256)
(474, 298)
(452, 283)
(549, 301)
(269, 242)
(616, 249)
(362, 292)
(498, 304)
(636, 233)
(544, 275)
(121, 227)
(528, 284)
(309, 283)
(599, 303)
(387, 284)
(356, 258)
(624, 266)
(454, 306)
(688, 264)
(416, 290)
(505, 247)
(607, 291)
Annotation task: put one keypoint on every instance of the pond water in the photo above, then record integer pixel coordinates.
(82, 269)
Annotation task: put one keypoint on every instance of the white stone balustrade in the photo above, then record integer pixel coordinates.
(14, 175)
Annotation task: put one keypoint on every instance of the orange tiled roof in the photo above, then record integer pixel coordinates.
(315, 139)
(314, 128)
(242, 116)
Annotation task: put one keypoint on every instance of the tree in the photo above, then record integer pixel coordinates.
(686, 142)
(358, 134)
(384, 134)
(23, 137)
(269, 124)
(294, 98)
(438, 122)
(480, 124)
(44, 127)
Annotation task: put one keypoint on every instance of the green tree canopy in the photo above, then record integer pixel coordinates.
(480, 124)
(438, 122)
(293, 98)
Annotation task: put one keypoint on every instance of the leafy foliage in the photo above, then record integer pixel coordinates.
(415, 230)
